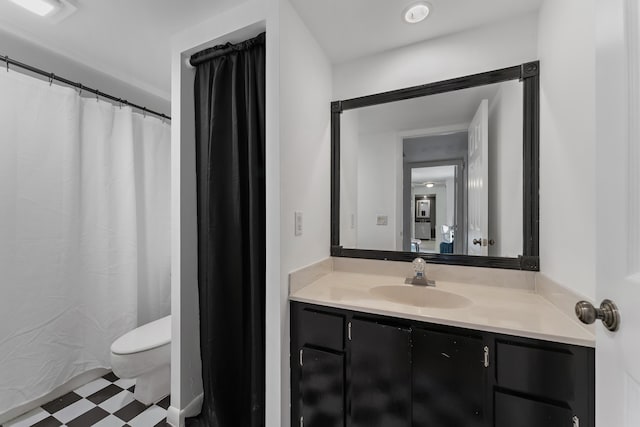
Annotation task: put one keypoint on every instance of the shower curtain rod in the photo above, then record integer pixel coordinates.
(52, 76)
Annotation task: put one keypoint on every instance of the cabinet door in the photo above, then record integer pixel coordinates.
(321, 388)
(380, 375)
(449, 379)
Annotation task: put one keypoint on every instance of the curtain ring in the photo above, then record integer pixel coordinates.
(6, 59)
(120, 103)
(80, 89)
(144, 112)
(51, 77)
(97, 95)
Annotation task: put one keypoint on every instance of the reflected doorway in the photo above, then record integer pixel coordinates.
(433, 207)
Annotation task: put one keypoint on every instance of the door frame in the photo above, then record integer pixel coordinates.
(459, 206)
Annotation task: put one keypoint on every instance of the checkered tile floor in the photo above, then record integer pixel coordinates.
(105, 402)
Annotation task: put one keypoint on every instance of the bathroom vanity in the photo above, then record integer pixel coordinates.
(492, 357)
(484, 347)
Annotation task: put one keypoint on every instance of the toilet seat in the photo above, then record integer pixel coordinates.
(146, 337)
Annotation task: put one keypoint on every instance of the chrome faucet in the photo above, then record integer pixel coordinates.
(419, 274)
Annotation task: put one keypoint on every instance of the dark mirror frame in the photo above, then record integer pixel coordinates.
(528, 73)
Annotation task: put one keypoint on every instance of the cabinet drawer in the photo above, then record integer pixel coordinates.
(321, 329)
(514, 411)
(542, 372)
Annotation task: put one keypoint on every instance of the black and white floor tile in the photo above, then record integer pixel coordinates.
(105, 402)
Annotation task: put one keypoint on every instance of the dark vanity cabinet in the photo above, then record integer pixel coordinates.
(356, 369)
(380, 380)
(449, 379)
(318, 360)
(543, 384)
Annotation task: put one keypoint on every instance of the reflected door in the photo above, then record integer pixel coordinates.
(477, 184)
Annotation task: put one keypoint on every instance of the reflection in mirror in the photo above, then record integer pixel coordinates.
(432, 220)
(436, 174)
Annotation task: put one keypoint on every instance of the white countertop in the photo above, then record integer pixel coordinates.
(495, 309)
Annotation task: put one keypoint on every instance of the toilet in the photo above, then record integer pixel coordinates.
(145, 354)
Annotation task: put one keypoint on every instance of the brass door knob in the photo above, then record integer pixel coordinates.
(608, 313)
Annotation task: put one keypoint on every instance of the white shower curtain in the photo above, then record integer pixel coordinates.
(84, 232)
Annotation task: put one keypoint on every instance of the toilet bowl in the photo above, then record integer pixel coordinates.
(145, 354)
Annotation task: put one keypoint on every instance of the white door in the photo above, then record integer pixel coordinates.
(618, 210)
(477, 182)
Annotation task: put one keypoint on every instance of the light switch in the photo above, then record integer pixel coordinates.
(298, 223)
(382, 220)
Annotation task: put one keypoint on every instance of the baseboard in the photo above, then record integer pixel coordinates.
(176, 417)
(65, 388)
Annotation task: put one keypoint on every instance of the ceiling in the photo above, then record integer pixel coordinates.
(130, 39)
(449, 109)
(348, 29)
(434, 174)
(127, 39)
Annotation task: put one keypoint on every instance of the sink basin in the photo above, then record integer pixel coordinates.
(420, 296)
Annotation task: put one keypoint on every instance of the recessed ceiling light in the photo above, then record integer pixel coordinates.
(416, 12)
(39, 7)
(429, 184)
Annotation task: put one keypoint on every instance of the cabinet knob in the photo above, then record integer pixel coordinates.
(608, 313)
(477, 242)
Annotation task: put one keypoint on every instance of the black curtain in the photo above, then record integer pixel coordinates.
(230, 170)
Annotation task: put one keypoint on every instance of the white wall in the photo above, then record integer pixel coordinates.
(305, 167)
(450, 186)
(483, 49)
(305, 125)
(29, 53)
(567, 143)
(377, 190)
(505, 170)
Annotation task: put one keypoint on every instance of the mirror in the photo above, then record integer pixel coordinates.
(447, 171)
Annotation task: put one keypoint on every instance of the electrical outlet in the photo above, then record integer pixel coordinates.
(298, 224)
(382, 220)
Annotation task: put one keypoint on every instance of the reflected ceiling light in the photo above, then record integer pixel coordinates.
(39, 7)
(416, 12)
